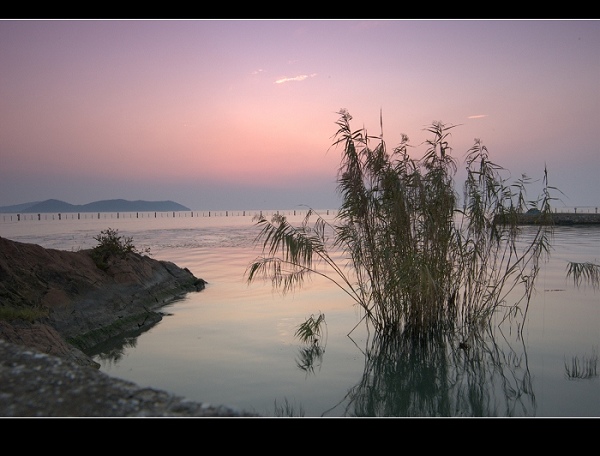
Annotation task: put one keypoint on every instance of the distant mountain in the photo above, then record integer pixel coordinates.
(116, 205)
(17, 208)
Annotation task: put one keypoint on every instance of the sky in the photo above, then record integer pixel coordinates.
(241, 114)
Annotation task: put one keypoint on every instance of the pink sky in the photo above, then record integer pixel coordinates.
(240, 114)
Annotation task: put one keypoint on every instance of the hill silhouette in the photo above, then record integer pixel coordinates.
(115, 205)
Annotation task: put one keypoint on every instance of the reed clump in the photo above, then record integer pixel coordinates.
(417, 260)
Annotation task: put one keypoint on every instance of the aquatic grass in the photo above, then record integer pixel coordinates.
(582, 369)
(287, 410)
(416, 261)
(311, 331)
(585, 272)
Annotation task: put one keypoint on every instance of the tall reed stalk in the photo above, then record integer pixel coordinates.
(416, 261)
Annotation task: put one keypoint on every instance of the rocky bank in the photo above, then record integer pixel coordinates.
(55, 305)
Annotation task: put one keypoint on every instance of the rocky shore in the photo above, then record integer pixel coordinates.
(56, 305)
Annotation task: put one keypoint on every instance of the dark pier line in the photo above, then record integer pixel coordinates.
(127, 215)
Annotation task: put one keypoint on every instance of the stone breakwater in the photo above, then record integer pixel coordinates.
(565, 219)
(558, 219)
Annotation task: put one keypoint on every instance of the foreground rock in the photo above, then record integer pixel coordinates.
(77, 306)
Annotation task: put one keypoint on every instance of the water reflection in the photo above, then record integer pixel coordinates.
(111, 351)
(309, 357)
(442, 377)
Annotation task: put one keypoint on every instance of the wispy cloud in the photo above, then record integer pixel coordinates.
(301, 77)
(479, 116)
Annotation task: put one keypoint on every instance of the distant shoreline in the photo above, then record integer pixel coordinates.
(115, 205)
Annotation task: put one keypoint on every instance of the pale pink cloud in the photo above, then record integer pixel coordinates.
(298, 78)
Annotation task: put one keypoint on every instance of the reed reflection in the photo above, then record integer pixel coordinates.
(313, 332)
(442, 376)
(310, 357)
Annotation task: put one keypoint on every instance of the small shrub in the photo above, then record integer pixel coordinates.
(110, 244)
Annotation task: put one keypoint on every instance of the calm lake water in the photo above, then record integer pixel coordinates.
(233, 343)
